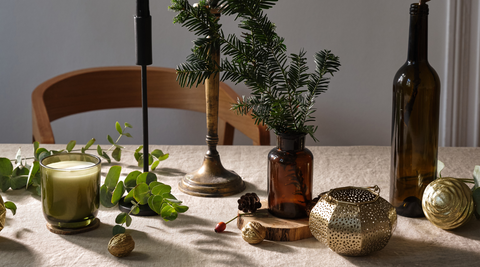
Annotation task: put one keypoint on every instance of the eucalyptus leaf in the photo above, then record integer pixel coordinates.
(4, 183)
(155, 203)
(90, 143)
(161, 189)
(153, 184)
(117, 153)
(36, 145)
(128, 220)
(118, 193)
(43, 155)
(139, 149)
(18, 182)
(121, 218)
(476, 199)
(476, 176)
(6, 167)
(173, 200)
(129, 197)
(40, 151)
(135, 210)
(180, 208)
(106, 157)
(32, 172)
(112, 177)
(146, 177)
(128, 125)
(118, 127)
(110, 140)
(11, 206)
(106, 197)
(157, 153)
(131, 180)
(118, 229)
(154, 165)
(141, 193)
(169, 213)
(99, 150)
(440, 166)
(164, 157)
(128, 135)
(71, 145)
(18, 157)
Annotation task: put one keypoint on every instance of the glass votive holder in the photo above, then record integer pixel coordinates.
(70, 191)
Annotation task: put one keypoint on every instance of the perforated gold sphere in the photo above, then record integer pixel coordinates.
(447, 203)
(353, 221)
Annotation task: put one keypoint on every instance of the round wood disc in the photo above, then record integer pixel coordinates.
(70, 231)
(277, 229)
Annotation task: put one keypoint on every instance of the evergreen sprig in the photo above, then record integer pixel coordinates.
(283, 93)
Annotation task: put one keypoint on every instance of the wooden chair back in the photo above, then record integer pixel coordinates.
(119, 87)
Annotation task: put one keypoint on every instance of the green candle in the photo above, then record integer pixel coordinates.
(70, 189)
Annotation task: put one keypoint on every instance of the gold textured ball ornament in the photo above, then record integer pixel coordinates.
(447, 203)
(254, 232)
(3, 213)
(353, 221)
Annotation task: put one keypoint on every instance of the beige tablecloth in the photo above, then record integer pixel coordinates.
(191, 241)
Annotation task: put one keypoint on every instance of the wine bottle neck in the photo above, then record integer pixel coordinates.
(418, 35)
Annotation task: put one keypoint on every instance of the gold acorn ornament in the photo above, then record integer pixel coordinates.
(447, 203)
(254, 232)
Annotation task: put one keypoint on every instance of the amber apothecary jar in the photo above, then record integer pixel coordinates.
(290, 172)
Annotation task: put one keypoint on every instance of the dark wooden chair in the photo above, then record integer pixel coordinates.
(118, 87)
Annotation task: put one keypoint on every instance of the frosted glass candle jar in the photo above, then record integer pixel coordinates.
(70, 189)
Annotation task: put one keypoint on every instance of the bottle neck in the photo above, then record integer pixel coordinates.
(418, 34)
(291, 142)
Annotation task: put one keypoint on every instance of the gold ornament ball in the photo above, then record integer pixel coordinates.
(121, 245)
(3, 213)
(448, 203)
(254, 232)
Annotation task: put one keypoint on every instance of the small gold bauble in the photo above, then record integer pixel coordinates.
(121, 245)
(447, 203)
(3, 213)
(254, 232)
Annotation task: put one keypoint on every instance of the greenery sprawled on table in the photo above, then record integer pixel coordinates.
(142, 188)
(283, 95)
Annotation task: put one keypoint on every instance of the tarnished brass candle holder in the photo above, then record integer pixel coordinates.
(212, 179)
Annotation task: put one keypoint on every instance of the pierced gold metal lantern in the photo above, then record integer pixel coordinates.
(353, 221)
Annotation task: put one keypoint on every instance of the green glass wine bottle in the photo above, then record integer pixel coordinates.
(415, 118)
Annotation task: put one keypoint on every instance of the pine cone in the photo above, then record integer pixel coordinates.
(249, 202)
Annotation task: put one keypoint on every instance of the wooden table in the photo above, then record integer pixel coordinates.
(191, 241)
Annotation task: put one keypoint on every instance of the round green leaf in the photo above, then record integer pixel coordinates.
(118, 128)
(155, 203)
(146, 177)
(71, 145)
(110, 140)
(118, 193)
(157, 153)
(129, 197)
(153, 184)
(135, 210)
(117, 153)
(169, 213)
(121, 218)
(128, 220)
(106, 197)
(112, 177)
(118, 229)
(180, 208)
(128, 125)
(154, 165)
(161, 189)
(11, 206)
(141, 193)
(131, 179)
(6, 167)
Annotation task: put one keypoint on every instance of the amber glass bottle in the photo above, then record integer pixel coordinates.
(290, 172)
(416, 100)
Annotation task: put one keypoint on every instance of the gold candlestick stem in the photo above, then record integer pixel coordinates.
(212, 179)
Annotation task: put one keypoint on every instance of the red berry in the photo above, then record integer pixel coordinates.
(220, 227)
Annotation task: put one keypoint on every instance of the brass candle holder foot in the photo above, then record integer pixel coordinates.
(212, 180)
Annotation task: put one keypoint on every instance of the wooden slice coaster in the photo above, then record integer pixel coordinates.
(72, 231)
(277, 229)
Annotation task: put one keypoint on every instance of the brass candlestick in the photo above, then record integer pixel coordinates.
(212, 179)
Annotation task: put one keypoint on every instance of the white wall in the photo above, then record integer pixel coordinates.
(44, 38)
